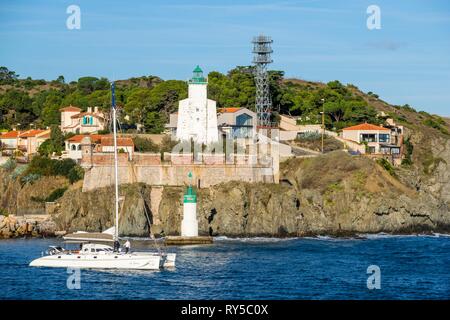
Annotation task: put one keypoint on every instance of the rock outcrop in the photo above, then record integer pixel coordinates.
(94, 210)
(15, 226)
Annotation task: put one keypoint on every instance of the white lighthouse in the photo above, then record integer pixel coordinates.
(189, 223)
(197, 116)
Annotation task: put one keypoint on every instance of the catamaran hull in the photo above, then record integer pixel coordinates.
(137, 262)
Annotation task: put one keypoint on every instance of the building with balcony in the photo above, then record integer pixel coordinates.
(375, 139)
(75, 121)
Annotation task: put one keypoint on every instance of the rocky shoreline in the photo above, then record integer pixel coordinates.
(21, 226)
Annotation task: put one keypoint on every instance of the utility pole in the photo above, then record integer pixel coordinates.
(323, 120)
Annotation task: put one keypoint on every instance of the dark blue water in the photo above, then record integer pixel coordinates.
(412, 267)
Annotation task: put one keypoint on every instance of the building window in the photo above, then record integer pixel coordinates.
(74, 147)
(244, 120)
(383, 137)
(368, 137)
(371, 149)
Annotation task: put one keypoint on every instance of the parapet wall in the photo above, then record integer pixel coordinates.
(145, 159)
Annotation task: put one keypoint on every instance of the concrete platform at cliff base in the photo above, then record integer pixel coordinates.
(179, 240)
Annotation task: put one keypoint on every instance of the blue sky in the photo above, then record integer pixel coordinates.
(406, 61)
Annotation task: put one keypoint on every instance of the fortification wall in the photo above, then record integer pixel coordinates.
(177, 175)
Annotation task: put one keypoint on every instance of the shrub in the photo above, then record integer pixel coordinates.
(167, 144)
(9, 165)
(75, 174)
(407, 160)
(30, 178)
(3, 212)
(54, 144)
(50, 167)
(144, 145)
(56, 194)
(436, 123)
(18, 172)
(387, 166)
(310, 136)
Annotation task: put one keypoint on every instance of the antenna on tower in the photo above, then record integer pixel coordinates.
(261, 58)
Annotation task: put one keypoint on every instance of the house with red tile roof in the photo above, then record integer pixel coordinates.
(75, 121)
(99, 144)
(29, 141)
(124, 144)
(9, 140)
(73, 145)
(375, 139)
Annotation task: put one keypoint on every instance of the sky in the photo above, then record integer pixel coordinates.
(407, 60)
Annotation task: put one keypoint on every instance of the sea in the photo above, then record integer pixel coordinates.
(365, 267)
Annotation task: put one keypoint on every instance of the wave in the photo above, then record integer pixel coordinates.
(254, 239)
(361, 236)
(383, 235)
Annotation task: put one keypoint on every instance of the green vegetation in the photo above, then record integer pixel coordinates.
(44, 166)
(149, 100)
(406, 107)
(18, 172)
(7, 76)
(386, 165)
(167, 144)
(407, 160)
(342, 107)
(430, 163)
(75, 174)
(53, 145)
(334, 187)
(151, 107)
(359, 179)
(436, 122)
(9, 165)
(313, 141)
(144, 145)
(53, 196)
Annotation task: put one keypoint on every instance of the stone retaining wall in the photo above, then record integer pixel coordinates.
(177, 175)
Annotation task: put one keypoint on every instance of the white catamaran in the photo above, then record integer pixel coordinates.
(101, 256)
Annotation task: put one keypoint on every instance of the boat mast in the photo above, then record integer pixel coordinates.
(116, 170)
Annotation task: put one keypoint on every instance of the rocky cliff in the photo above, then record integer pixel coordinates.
(332, 194)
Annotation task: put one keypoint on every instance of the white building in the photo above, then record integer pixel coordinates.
(73, 145)
(75, 121)
(237, 122)
(197, 117)
(100, 144)
(9, 140)
(373, 138)
(231, 123)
